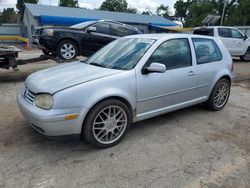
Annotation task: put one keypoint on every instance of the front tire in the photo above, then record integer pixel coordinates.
(67, 50)
(107, 123)
(246, 56)
(219, 96)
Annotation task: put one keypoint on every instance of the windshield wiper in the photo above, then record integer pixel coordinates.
(96, 64)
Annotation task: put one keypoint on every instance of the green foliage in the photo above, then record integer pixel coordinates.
(181, 10)
(132, 10)
(163, 11)
(20, 4)
(114, 5)
(238, 14)
(145, 12)
(68, 3)
(192, 12)
(8, 16)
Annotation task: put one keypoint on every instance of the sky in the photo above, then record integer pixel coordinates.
(91, 4)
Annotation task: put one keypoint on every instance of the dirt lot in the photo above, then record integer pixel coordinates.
(190, 148)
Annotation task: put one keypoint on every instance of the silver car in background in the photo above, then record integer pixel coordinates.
(129, 80)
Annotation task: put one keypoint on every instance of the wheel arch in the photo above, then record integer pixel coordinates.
(225, 76)
(122, 99)
(71, 39)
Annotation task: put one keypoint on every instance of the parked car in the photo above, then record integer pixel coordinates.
(129, 80)
(80, 39)
(236, 42)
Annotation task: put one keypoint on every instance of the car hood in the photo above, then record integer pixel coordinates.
(58, 78)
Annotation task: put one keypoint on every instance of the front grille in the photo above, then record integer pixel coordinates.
(29, 95)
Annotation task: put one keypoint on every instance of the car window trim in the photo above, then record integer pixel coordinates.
(93, 25)
(147, 62)
(242, 36)
(230, 34)
(196, 53)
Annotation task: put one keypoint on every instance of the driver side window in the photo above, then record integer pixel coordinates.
(173, 53)
(102, 28)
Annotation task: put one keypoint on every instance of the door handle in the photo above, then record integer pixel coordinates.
(191, 73)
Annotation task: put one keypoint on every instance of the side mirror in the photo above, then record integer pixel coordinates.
(245, 37)
(91, 29)
(155, 67)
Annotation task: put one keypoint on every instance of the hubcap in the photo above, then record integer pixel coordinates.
(221, 94)
(110, 124)
(68, 51)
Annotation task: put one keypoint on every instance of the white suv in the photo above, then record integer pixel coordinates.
(236, 42)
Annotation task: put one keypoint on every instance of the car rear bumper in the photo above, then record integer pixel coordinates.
(51, 122)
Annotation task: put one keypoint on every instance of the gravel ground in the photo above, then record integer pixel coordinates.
(190, 148)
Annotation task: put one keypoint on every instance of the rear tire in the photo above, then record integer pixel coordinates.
(67, 50)
(107, 123)
(219, 96)
(246, 56)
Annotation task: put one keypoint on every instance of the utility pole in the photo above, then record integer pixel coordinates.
(223, 12)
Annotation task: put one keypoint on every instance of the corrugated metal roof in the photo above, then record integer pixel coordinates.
(45, 10)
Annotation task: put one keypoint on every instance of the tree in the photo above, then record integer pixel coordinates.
(132, 10)
(20, 5)
(8, 16)
(163, 11)
(114, 5)
(181, 10)
(145, 12)
(68, 3)
(238, 13)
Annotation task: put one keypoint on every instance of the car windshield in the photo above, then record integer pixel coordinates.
(122, 54)
(82, 25)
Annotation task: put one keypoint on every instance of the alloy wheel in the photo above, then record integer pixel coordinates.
(221, 94)
(110, 124)
(68, 51)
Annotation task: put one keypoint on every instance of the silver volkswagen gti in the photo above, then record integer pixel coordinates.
(129, 80)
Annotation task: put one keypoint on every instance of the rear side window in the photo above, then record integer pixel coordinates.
(117, 30)
(206, 50)
(204, 31)
(223, 32)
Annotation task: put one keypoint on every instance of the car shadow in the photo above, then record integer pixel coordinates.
(74, 143)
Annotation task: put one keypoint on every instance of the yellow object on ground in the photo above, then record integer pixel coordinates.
(22, 39)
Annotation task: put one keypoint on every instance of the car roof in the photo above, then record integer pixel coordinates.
(157, 36)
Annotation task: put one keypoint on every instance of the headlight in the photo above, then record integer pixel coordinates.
(48, 32)
(44, 101)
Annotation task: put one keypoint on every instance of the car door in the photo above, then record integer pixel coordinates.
(162, 92)
(238, 46)
(225, 36)
(98, 38)
(209, 63)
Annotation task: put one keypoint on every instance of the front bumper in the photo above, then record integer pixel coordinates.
(46, 43)
(51, 122)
